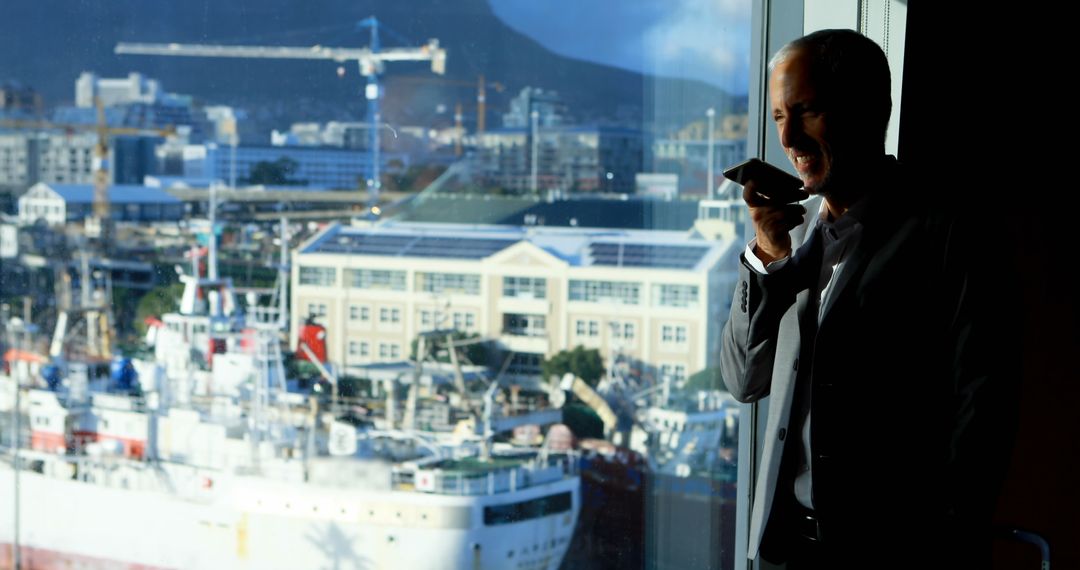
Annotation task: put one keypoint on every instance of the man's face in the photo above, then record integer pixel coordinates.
(802, 122)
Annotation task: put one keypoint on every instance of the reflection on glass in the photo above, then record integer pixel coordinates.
(428, 287)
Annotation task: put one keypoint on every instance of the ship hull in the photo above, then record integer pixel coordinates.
(249, 523)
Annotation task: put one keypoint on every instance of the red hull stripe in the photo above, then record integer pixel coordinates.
(45, 559)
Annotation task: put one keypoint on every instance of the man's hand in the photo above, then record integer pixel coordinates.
(772, 222)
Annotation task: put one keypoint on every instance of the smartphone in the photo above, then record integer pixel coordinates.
(773, 183)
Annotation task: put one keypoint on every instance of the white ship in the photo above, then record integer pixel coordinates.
(215, 465)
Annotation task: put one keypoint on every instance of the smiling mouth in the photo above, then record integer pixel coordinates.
(804, 161)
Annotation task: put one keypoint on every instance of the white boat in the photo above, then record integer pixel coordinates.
(113, 512)
(215, 465)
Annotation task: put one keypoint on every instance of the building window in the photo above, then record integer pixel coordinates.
(389, 351)
(311, 275)
(525, 364)
(618, 292)
(683, 296)
(675, 372)
(673, 334)
(360, 313)
(375, 279)
(357, 348)
(621, 330)
(525, 287)
(431, 320)
(524, 325)
(388, 315)
(317, 310)
(439, 283)
(587, 328)
(464, 321)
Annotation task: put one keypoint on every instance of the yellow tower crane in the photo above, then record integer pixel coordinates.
(99, 224)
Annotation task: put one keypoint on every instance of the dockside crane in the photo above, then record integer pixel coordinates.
(371, 61)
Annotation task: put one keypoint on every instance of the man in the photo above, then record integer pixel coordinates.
(866, 322)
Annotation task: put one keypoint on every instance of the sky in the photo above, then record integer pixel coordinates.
(707, 40)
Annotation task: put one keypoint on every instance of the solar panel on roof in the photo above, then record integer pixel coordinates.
(646, 255)
(414, 246)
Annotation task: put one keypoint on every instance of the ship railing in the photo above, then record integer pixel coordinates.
(442, 482)
(488, 481)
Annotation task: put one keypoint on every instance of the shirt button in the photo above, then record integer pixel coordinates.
(782, 434)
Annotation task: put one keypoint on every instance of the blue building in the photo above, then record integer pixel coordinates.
(58, 204)
(312, 167)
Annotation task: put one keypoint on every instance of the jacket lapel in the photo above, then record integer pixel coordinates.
(783, 381)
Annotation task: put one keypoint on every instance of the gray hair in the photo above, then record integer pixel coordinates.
(782, 55)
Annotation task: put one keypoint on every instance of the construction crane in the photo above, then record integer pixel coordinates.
(99, 224)
(83, 331)
(481, 93)
(371, 61)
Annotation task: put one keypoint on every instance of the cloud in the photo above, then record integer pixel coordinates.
(707, 40)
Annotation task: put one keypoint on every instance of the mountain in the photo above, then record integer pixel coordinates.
(48, 43)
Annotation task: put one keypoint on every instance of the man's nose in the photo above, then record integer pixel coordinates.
(789, 133)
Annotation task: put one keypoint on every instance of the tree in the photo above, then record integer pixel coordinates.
(707, 379)
(277, 173)
(581, 362)
(157, 302)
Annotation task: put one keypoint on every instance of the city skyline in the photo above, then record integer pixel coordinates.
(48, 50)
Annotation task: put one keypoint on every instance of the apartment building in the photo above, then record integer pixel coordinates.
(660, 298)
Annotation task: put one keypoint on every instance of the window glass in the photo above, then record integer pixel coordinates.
(675, 295)
(605, 292)
(525, 287)
(287, 221)
(439, 283)
(375, 279)
(324, 276)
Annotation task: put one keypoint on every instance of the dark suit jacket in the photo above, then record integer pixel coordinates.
(912, 380)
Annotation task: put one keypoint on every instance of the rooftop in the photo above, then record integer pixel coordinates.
(118, 194)
(579, 247)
